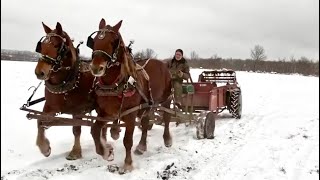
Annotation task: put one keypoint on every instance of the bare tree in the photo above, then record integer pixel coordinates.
(258, 53)
(215, 56)
(194, 56)
(138, 55)
(150, 53)
(145, 54)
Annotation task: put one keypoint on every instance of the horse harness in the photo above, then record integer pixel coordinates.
(72, 80)
(122, 86)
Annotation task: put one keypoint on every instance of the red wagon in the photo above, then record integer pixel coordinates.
(214, 92)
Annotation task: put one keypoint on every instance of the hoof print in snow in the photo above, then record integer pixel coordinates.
(113, 168)
(305, 136)
(188, 169)
(312, 171)
(283, 170)
(291, 136)
(172, 170)
(73, 168)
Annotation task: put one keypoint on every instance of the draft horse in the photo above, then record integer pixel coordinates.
(122, 85)
(68, 86)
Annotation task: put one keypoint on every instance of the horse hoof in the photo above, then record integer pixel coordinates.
(115, 133)
(110, 158)
(108, 153)
(47, 154)
(125, 169)
(73, 156)
(168, 143)
(138, 152)
(115, 136)
(140, 149)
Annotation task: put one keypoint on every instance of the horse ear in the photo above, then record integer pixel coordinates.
(102, 24)
(46, 28)
(59, 28)
(117, 26)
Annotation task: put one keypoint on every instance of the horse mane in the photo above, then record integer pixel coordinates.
(128, 67)
(72, 48)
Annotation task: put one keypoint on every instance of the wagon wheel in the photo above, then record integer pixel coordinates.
(205, 125)
(209, 125)
(236, 103)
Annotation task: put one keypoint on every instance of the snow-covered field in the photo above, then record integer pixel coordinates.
(276, 138)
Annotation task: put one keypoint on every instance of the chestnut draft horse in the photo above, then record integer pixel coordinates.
(123, 85)
(68, 84)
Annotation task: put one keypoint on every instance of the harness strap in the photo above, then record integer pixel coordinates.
(146, 76)
(142, 94)
(114, 85)
(147, 105)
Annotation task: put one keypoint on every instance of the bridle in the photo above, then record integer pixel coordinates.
(62, 51)
(111, 58)
(73, 76)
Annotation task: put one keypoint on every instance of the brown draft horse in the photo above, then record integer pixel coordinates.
(68, 86)
(116, 92)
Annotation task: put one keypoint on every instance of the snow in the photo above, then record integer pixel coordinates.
(276, 138)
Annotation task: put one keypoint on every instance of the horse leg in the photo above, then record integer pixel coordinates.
(128, 141)
(76, 152)
(107, 148)
(115, 131)
(142, 146)
(166, 134)
(42, 142)
(96, 134)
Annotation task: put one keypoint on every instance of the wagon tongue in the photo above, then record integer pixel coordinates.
(218, 76)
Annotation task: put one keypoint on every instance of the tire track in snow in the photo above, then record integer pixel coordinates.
(77, 166)
(241, 131)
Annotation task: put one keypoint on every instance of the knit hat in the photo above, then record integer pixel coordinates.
(179, 50)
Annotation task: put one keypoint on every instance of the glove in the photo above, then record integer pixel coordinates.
(180, 74)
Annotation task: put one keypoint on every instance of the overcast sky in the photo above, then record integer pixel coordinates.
(228, 28)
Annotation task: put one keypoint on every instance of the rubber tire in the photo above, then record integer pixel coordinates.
(236, 104)
(209, 126)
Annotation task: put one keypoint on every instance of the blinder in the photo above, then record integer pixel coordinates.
(61, 52)
(90, 42)
(38, 48)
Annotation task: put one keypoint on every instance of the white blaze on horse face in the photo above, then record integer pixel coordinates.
(99, 70)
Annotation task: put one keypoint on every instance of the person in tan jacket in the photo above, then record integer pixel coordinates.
(180, 71)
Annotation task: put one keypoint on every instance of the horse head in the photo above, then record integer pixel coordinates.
(108, 50)
(57, 51)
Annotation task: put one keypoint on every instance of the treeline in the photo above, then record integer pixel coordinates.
(15, 55)
(302, 66)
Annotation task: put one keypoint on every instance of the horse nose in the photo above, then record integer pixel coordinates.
(40, 74)
(96, 69)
